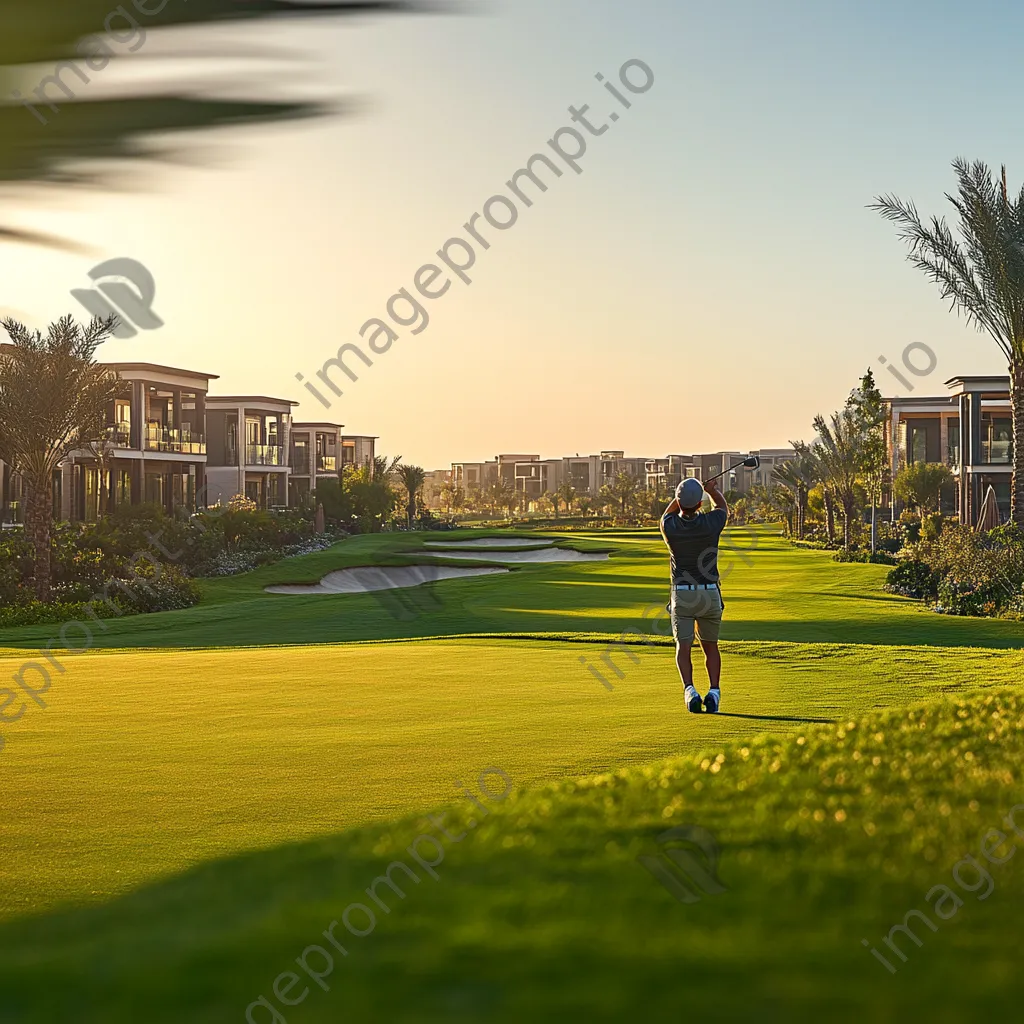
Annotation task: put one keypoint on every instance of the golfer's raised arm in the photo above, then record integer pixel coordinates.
(716, 496)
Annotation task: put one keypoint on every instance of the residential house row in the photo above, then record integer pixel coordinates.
(587, 474)
(969, 430)
(171, 442)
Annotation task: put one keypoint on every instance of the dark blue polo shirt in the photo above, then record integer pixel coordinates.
(693, 545)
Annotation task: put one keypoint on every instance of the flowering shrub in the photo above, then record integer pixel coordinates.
(911, 577)
(968, 573)
(967, 598)
(150, 588)
(157, 588)
(126, 546)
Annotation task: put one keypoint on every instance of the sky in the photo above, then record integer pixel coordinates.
(710, 281)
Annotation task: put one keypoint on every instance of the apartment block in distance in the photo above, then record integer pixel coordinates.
(587, 474)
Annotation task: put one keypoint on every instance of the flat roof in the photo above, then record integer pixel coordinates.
(922, 400)
(306, 425)
(162, 369)
(242, 399)
(980, 382)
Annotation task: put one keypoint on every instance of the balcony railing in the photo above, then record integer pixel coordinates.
(182, 442)
(326, 464)
(264, 455)
(118, 435)
(996, 453)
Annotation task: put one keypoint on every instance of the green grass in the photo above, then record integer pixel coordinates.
(181, 823)
(772, 591)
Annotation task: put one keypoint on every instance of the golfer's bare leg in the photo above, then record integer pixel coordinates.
(713, 661)
(683, 662)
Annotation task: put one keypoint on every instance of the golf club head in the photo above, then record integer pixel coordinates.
(752, 461)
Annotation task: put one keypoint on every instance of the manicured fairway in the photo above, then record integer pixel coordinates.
(773, 592)
(282, 755)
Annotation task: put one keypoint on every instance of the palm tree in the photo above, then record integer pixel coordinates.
(567, 493)
(982, 275)
(412, 478)
(53, 400)
(45, 146)
(840, 452)
(798, 475)
(383, 468)
(623, 489)
(453, 497)
(500, 494)
(817, 475)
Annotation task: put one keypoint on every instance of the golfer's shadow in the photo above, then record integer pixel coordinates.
(775, 718)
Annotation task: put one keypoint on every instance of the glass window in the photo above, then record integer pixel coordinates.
(953, 441)
(996, 438)
(91, 494)
(917, 445)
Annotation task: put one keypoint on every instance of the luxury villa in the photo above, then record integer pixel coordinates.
(169, 441)
(969, 430)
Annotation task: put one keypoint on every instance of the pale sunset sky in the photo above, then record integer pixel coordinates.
(710, 281)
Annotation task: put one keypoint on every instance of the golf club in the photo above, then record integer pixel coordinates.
(751, 462)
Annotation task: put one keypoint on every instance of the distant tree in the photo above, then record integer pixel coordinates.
(798, 475)
(567, 493)
(839, 455)
(500, 495)
(866, 404)
(623, 489)
(919, 484)
(53, 401)
(412, 479)
(453, 497)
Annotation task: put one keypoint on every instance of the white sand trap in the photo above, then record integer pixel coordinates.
(366, 578)
(485, 542)
(540, 555)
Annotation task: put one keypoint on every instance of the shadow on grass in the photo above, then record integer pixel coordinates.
(776, 718)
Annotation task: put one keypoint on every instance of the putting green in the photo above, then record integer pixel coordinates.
(301, 765)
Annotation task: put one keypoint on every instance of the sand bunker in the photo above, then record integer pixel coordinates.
(540, 555)
(366, 578)
(488, 542)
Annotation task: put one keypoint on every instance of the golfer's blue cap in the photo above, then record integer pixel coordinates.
(690, 493)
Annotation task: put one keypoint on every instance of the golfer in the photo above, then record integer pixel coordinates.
(692, 539)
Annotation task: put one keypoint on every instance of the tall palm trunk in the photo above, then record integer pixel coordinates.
(830, 515)
(38, 519)
(1017, 412)
(849, 510)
